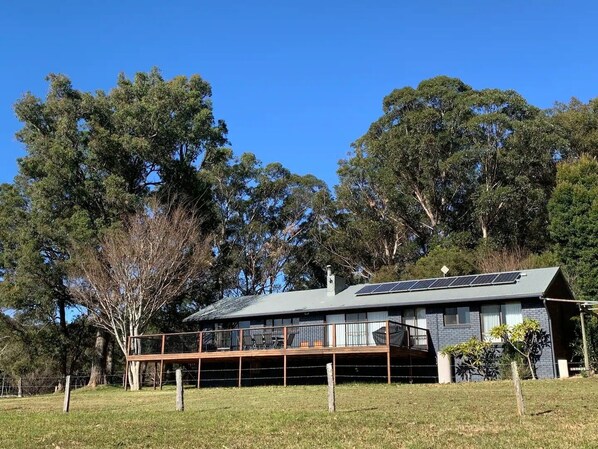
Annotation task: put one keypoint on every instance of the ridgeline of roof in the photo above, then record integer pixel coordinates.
(532, 284)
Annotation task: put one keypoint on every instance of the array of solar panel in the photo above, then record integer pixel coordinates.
(439, 283)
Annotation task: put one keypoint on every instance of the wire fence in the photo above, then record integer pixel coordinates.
(228, 375)
(35, 385)
(314, 374)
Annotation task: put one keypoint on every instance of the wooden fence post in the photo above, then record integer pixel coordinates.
(518, 393)
(331, 392)
(180, 401)
(20, 387)
(67, 395)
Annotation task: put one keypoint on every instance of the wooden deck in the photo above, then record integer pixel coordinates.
(306, 340)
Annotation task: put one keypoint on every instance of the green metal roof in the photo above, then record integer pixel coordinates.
(532, 284)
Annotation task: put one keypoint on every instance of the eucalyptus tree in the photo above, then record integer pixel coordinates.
(266, 217)
(511, 148)
(90, 158)
(444, 160)
(578, 124)
(411, 155)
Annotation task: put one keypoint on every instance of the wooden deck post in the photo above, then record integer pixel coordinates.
(240, 339)
(284, 357)
(198, 372)
(200, 342)
(155, 373)
(161, 372)
(388, 373)
(334, 335)
(240, 369)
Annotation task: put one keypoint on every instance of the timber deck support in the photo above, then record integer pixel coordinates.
(385, 338)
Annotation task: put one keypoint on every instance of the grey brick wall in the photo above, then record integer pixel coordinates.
(442, 336)
(535, 310)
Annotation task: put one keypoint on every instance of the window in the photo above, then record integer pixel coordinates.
(277, 322)
(454, 316)
(417, 317)
(352, 328)
(496, 314)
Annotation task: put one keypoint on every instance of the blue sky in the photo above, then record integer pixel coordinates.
(297, 81)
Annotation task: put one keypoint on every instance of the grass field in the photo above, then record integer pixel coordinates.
(561, 414)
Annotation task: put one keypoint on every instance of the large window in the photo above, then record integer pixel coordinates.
(281, 322)
(355, 329)
(493, 315)
(455, 316)
(417, 317)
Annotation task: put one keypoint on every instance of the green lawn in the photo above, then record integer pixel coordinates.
(561, 414)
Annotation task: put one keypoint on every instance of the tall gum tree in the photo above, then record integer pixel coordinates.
(90, 158)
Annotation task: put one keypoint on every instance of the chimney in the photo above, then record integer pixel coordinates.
(334, 284)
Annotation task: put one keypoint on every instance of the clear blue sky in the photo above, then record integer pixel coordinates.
(297, 81)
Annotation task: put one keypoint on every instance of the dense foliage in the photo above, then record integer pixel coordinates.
(474, 358)
(526, 338)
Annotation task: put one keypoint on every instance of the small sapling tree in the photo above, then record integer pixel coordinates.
(527, 338)
(474, 357)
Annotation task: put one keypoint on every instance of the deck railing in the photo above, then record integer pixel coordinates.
(299, 336)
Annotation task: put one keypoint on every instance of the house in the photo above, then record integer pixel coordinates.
(393, 330)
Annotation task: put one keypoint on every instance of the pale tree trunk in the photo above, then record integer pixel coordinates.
(97, 375)
(134, 376)
(134, 367)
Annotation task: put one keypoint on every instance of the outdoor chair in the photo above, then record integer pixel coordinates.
(247, 340)
(258, 341)
(268, 341)
(290, 338)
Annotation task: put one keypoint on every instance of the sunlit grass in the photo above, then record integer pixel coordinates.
(561, 414)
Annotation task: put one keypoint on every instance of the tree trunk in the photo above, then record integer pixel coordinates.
(134, 376)
(63, 345)
(531, 368)
(97, 375)
(109, 359)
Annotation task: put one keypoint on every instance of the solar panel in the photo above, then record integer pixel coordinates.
(367, 289)
(443, 282)
(484, 279)
(384, 288)
(403, 286)
(423, 284)
(463, 281)
(506, 278)
(438, 283)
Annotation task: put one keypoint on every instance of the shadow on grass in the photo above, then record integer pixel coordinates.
(545, 412)
(358, 410)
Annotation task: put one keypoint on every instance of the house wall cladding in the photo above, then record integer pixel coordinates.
(545, 368)
(442, 335)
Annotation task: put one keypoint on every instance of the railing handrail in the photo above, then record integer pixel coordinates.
(288, 326)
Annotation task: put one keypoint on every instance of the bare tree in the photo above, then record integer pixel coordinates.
(154, 258)
(502, 260)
